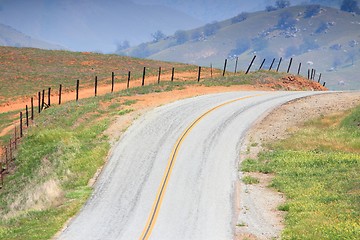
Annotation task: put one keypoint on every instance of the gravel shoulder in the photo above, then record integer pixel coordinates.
(258, 217)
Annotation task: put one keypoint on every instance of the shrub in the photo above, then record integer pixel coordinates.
(322, 28)
(157, 36)
(181, 37)
(270, 8)
(286, 21)
(196, 36)
(336, 47)
(311, 10)
(350, 6)
(282, 4)
(211, 29)
(239, 18)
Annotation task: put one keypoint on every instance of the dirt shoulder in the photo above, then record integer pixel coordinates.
(258, 217)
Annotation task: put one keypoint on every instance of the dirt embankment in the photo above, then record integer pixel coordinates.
(258, 215)
(289, 82)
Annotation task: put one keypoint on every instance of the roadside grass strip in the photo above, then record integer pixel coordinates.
(318, 169)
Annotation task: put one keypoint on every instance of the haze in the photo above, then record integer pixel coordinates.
(103, 25)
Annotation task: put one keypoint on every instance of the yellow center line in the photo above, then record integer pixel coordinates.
(165, 180)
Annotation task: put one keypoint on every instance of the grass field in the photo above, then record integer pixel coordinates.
(318, 169)
(25, 71)
(59, 154)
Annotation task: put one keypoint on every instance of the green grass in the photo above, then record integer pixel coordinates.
(240, 78)
(63, 151)
(25, 71)
(58, 155)
(125, 111)
(250, 180)
(318, 169)
(65, 146)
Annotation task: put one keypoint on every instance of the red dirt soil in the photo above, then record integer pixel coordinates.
(286, 83)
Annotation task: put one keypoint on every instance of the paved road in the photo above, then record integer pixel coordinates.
(172, 174)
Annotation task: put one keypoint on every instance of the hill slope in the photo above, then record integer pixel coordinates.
(326, 38)
(13, 38)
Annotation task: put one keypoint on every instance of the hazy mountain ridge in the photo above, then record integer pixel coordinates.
(216, 10)
(92, 25)
(327, 37)
(13, 38)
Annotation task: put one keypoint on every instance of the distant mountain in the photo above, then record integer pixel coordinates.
(92, 25)
(216, 10)
(322, 38)
(13, 38)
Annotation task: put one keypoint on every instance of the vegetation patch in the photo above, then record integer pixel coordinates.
(250, 180)
(125, 111)
(318, 169)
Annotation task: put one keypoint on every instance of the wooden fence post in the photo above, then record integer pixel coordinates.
(128, 81)
(319, 78)
(11, 151)
(236, 64)
(27, 116)
(21, 125)
(39, 100)
(15, 138)
(32, 108)
(96, 83)
(278, 67)
(159, 76)
(324, 84)
(308, 74)
(172, 74)
(199, 74)
(211, 70)
(262, 64)
(49, 97)
(143, 78)
(272, 63)
(60, 89)
(298, 72)
(6, 159)
(311, 74)
(112, 81)
(288, 70)
(43, 99)
(252, 61)
(225, 63)
(77, 89)
(1, 175)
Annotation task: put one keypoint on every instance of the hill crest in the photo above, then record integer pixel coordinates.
(325, 38)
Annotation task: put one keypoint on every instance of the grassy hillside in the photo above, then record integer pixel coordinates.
(323, 38)
(318, 169)
(25, 71)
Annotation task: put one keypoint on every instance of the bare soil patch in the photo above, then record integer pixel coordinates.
(258, 217)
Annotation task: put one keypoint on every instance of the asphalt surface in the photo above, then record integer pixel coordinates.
(172, 174)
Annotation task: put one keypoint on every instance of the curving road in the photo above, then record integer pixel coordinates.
(172, 174)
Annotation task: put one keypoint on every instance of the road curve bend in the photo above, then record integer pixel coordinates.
(173, 172)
